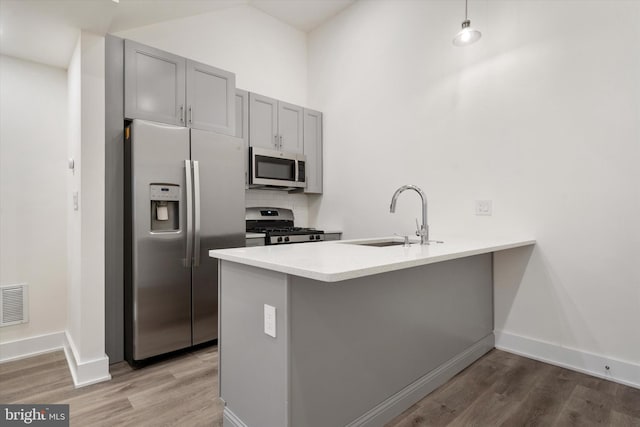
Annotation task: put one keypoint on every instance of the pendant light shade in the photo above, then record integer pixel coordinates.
(467, 35)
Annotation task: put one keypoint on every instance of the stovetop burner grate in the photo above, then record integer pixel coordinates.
(285, 230)
(277, 225)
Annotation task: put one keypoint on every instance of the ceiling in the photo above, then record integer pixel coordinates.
(46, 31)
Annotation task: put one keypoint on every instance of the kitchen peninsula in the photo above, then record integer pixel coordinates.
(349, 332)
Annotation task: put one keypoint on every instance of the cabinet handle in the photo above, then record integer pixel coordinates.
(281, 142)
(181, 113)
(190, 115)
(275, 141)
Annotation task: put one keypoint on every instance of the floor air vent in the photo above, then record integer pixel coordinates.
(13, 304)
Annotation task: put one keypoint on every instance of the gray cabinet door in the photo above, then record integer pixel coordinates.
(263, 121)
(242, 115)
(254, 241)
(242, 127)
(154, 84)
(332, 236)
(313, 150)
(290, 127)
(210, 98)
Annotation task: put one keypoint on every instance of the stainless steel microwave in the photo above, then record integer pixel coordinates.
(271, 168)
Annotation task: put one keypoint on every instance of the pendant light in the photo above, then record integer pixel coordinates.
(467, 35)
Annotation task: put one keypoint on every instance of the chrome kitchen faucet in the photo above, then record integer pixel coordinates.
(423, 230)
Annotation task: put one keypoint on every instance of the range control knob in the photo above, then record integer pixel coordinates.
(317, 237)
(279, 239)
(311, 237)
(286, 239)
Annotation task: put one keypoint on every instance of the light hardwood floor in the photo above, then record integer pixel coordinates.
(180, 391)
(500, 389)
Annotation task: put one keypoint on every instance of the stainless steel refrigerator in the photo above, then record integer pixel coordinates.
(184, 195)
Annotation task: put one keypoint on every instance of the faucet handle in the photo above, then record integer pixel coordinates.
(418, 228)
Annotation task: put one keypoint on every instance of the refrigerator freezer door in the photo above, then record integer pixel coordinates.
(161, 273)
(220, 179)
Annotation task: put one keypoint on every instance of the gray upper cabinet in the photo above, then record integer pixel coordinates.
(242, 127)
(274, 124)
(154, 84)
(242, 115)
(290, 127)
(313, 150)
(263, 122)
(167, 88)
(210, 98)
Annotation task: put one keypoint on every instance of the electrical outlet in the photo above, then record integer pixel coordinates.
(270, 320)
(484, 207)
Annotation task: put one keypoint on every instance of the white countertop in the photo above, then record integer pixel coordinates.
(255, 235)
(338, 260)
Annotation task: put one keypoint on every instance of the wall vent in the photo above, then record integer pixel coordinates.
(13, 304)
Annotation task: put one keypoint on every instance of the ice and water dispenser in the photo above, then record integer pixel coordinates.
(165, 207)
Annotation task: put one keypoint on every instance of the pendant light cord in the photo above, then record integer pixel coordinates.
(465, 9)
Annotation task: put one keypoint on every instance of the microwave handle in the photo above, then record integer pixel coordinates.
(304, 177)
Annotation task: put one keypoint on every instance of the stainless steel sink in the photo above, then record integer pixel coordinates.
(385, 243)
(382, 244)
(378, 244)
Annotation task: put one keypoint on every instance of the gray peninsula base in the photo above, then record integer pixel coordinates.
(352, 353)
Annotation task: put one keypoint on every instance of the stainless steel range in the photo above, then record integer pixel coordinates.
(277, 225)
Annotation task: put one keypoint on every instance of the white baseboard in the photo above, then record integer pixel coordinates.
(229, 419)
(619, 371)
(29, 347)
(85, 372)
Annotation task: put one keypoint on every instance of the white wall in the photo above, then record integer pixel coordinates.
(541, 116)
(33, 167)
(74, 185)
(297, 202)
(85, 329)
(267, 56)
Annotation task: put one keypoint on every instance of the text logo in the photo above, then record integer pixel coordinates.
(34, 415)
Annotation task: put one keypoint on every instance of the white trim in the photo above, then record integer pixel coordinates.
(29, 347)
(229, 419)
(87, 372)
(620, 371)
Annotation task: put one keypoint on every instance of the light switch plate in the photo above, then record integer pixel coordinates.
(484, 207)
(270, 320)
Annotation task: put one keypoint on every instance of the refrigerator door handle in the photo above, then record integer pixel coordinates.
(189, 191)
(196, 209)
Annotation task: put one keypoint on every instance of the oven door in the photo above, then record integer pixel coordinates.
(274, 168)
